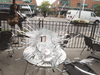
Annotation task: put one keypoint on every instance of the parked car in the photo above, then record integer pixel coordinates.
(26, 9)
(85, 15)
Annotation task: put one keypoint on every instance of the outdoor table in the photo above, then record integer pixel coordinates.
(39, 62)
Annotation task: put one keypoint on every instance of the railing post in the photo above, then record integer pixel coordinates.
(13, 1)
(39, 23)
(0, 25)
(42, 23)
(93, 30)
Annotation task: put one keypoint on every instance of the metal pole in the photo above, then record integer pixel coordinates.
(26, 67)
(13, 1)
(93, 30)
(0, 25)
(42, 23)
(80, 8)
(39, 23)
(83, 4)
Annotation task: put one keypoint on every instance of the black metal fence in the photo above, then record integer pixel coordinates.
(61, 28)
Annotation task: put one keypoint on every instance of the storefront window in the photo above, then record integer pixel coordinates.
(5, 0)
(27, 1)
(4, 5)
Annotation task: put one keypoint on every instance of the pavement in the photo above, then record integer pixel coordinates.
(48, 18)
(16, 65)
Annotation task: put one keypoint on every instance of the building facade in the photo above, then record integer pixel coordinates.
(7, 3)
(64, 5)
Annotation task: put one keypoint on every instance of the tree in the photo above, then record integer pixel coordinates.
(45, 6)
(97, 9)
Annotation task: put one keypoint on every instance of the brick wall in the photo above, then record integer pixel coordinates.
(21, 2)
(73, 3)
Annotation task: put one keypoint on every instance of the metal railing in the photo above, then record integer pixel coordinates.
(61, 28)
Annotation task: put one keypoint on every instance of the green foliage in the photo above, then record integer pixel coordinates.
(78, 20)
(45, 6)
(97, 9)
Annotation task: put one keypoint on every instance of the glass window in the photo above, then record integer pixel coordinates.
(18, 0)
(4, 5)
(5, 0)
(32, 7)
(58, 3)
(66, 3)
(93, 15)
(85, 5)
(78, 4)
(93, 6)
(27, 1)
(68, 12)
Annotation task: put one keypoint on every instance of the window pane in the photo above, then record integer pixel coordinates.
(93, 15)
(58, 3)
(27, 1)
(5, 5)
(78, 4)
(85, 5)
(66, 3)
(93, 6)
(18, 0)
(5, 0)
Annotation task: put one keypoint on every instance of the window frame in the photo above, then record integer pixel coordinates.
(78, 5)
(93, 15)
(64, 1)
(27, 1)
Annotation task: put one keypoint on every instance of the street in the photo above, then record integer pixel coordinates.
(48, 19)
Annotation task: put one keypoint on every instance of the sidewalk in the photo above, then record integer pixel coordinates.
(16, 65)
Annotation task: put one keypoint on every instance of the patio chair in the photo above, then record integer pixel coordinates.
(6, 41)
(86, 43)
(65, 40)
(77, 68)
(92, 44)
(89, 43)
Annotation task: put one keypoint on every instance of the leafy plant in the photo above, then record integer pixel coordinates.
(97, 9)
(78, 20)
